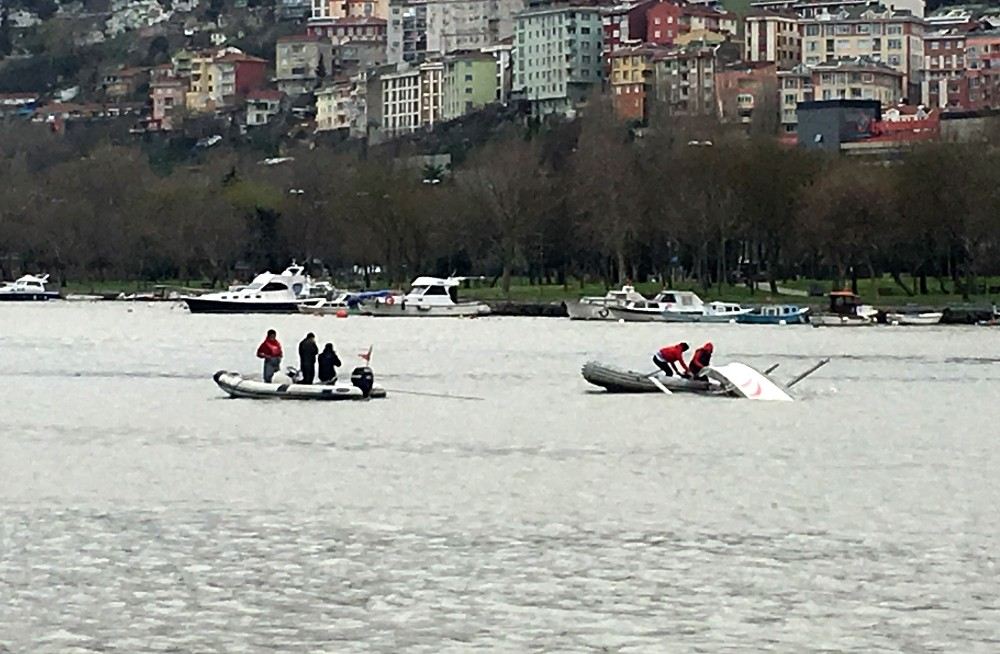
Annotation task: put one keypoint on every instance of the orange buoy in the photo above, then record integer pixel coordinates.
(341, 313)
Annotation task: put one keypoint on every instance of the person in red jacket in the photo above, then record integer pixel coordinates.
(701, 359)
(270, 352)
(667, 358)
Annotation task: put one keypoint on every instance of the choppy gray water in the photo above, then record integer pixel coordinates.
(141, 511)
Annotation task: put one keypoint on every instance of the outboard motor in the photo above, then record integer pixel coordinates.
(363, 378)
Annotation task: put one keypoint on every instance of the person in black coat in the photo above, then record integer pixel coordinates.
(307, 358)
(328, 363)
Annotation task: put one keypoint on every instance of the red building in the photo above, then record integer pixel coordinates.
(250, 72)
(624, 25)
(983, 69)
(663, 23)
(945, 84)
(746, 90)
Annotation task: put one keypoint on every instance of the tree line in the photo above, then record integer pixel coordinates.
(584, 200)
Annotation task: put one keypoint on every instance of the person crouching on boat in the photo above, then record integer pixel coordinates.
(270, 352)
(667, 359)
(701, 359)
(328, 363)
(307, 358)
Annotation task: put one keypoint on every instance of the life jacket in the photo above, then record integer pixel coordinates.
(671, 353)
(702, 359)
(269, 349)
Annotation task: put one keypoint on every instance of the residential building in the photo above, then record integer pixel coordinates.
(294, 9)
(631, 79)
(420, 29)
(795, 86)
(354, 56)
(696, 18)
(341, 106)
(663, 23)
(747, 92)
(684, 80)
(349, 30)
(470, 83)
(124, 82)
(858, 79)
(262, 106)
(323, 10)
(982, 55)
(773, 37)
(558, 57)
(431, 92)
(502, 54)
(624, 25)
(876, 32)
(168, 94)
(812, 8)
(299, 60)
(944, 82)
(217, 79)
(411, 97)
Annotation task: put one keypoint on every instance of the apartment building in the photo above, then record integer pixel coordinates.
(773, 37)
(298, 61)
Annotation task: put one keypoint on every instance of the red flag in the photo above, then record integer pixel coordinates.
(367, 356)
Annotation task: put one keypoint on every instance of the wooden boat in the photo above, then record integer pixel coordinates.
(361, 387)
(776, 314)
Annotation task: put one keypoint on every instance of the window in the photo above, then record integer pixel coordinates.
(812, 30)
(864, 44)
(656, 21)
(586, 30)
(935, 45)
(468, 78)
(842, 29)
(789, 99)
(468, 90)
(830, 45)
(895, 44)
(876, 45)
(812, 46)
(864, 28)
(656, 34)
(893, 29)
(274, 286)
(893, 60)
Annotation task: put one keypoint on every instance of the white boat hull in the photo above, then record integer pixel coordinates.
(238, 386)
(587, 311)
(675, 316)
(634, 315)
(839, 321)
(408, 309)
(915, 319)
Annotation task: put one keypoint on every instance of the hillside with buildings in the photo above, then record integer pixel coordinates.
(275, 70)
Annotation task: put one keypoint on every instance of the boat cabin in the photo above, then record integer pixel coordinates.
(723, 308)
(844, 303)
(685, 301)
(434, 290)
(780, 310)
(28, 284)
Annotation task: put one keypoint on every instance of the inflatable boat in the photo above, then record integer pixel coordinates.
(361, 387)
(616, 380)
(730, 380)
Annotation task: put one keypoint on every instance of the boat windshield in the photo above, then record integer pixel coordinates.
(273, 286)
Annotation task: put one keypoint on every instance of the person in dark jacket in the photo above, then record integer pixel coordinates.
(328, 363)
(668, 358)
(307, 358)
(701, 359)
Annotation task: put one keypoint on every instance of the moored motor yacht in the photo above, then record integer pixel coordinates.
(677, 302)
(428, 297)
(28, 288)
(267, 293)
(596, 307)
(846, 310)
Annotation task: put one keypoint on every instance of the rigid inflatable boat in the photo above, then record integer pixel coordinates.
(361, 387)
(732, 379)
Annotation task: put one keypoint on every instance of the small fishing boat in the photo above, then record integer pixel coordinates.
(923, 318)
(596, 307)
(28, 288)
(361, 387)
(775, 314)
(676, 302)
(846, 310)
(428, 297)
(717, 312)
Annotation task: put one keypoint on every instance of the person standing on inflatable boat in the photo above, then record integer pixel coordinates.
(270, 352)
(667, 358)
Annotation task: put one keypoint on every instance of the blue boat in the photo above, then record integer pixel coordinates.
(776, 314)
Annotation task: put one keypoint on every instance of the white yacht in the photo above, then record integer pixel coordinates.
(28, 288)
(710, 312)
(596, 307)
(267, 293)
(676, 302)
(428, 297)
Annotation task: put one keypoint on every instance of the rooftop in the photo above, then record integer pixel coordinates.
(265, 94)
(857, 64)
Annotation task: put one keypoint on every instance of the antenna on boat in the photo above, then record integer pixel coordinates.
(807, 373)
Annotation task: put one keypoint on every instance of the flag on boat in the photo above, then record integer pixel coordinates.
(367, 356)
